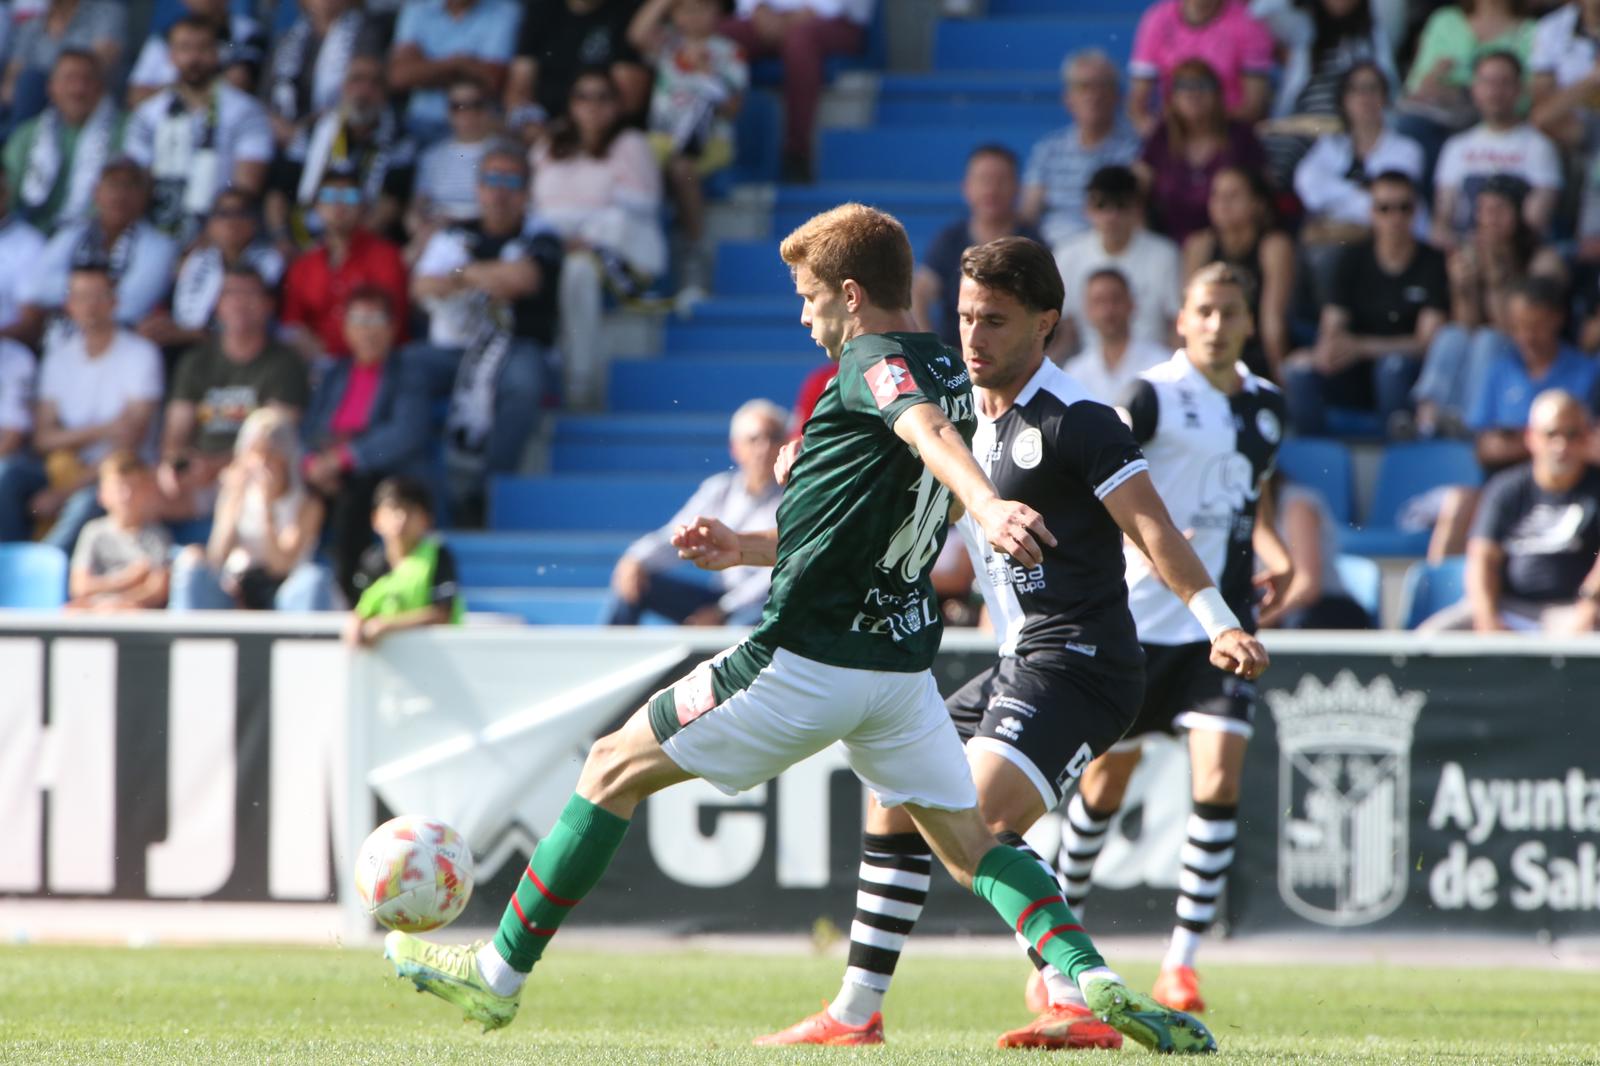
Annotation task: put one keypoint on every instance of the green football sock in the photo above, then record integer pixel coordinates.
(1030, 901)
(564, 867)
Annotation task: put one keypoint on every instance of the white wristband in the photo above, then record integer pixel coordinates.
(1211, 611)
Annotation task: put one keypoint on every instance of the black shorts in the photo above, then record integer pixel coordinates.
(1184, 691)
(1050, 716)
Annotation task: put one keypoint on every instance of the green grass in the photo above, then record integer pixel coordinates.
(286, 1006)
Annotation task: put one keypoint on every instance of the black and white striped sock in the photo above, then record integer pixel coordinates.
(1207, 855)
(1062, 988)
(893, 886)
(1083, 834)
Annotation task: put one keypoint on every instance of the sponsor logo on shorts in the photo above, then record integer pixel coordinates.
(1022, 579)
(693, 695)
(1009, 727)
(889, 380)
(1011, 703)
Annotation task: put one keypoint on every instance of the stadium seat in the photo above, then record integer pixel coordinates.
(1055, 7)
(990, 85)
(1405, 472)
(1431, 587)
(713, 384)
(641, 429)
(748, 311)
(932, 153)
(1030, 43)
(542, 607)
(1363, 580)
(587, 457)
(698, 338)
(1323, 465)
(983, 111)
(758, 138)
(751, 268)
(32, 576)
(575, 503)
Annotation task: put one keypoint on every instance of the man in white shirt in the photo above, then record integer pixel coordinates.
(1117, 238)
(199, 135)
(154, 69)
(20, 248)
(745, 498)
(1112, 359)
(99, 386)
(17, 373)
(1499, 144)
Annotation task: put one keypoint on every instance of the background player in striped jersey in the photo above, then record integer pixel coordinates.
(842, 653)
(1210, 430)
(1070, 675)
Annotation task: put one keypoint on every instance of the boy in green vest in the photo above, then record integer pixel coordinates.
(408, 580)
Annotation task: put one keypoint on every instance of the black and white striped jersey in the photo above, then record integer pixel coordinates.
(1209, 454)
(1061, 453)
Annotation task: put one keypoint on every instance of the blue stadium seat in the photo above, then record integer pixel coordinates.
(1323, 465)
(932, 153)
(587, 457)
(1363, 580)
(1055, 7)
(1029, 43)
(751, 268)
(900, 110)
(641, 429)
(749, 311)
(194, 531)
(710, 384)
(1406, 471)
(758, 138)
(1431, 587)
(32, 576)
(573, 503)
(710, 338)
(986, 85)
(542, 607)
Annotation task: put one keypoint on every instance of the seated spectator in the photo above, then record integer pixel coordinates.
(1532, 559)
(99, 386)
(219, 383)
(802, 33)
(347, 257)
(596, 183)
(1111, 357)
(237, 33)
(1056, 178)
(1536, 360)
(56, 156)
(1117, 239)
(21, 247)
(264, 533)
(446, 189)
(1324, 40)
(1389, 297)
(1562, 65)
(1485, 270)
(17, 375)
(368, 420)
(558, 41)
(231, 240)
(139, 259)
(1501, 143)
(490, 288)
(121, 560)
(990, 190)
(361, 135)
(700, 79)
(438, 41)
(1242, 234)
(1221, 35)
(199, 135)
(409, 580)
(1334, 179)
(306, 73)
(1437, 100)
(1183, 154)
(1316, 597)
(95, 26)
(745, 498)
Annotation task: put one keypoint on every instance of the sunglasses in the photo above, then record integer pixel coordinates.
(500, 180)
(1395, 207)
(347, 195)
(467, 105)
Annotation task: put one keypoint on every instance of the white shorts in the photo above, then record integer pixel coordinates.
(744, 717)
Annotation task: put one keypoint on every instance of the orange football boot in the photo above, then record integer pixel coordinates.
(824, 1028)
(1063, 1026)
(1178, 987)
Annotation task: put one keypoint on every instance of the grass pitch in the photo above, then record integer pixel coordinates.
(291, 1006)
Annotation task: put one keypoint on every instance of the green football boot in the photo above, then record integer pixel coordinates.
(450, 971)
(1139, 1017)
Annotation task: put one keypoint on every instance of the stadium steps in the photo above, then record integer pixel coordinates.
(580, 503)
(585, 457)
(709, 384)
(933, 153)
(1030, 43)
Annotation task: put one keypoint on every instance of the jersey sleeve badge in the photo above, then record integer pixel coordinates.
(889, 380)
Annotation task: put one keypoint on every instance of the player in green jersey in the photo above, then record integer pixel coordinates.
(842, 653)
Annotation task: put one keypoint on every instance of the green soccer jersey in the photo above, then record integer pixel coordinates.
(862, 520)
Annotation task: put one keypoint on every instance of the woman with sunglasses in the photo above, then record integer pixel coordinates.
(597, 183)
(1183, 155)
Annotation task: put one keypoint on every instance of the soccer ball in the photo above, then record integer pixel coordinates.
(414, 874)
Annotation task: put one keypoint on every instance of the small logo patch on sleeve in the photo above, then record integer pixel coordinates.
(889, 380)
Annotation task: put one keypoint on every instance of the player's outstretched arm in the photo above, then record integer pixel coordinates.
(1137, 509)
(711, 545)
(1011, 527)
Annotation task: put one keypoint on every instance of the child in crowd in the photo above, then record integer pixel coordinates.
(409, 580)
(121, 560)
(700, 82)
